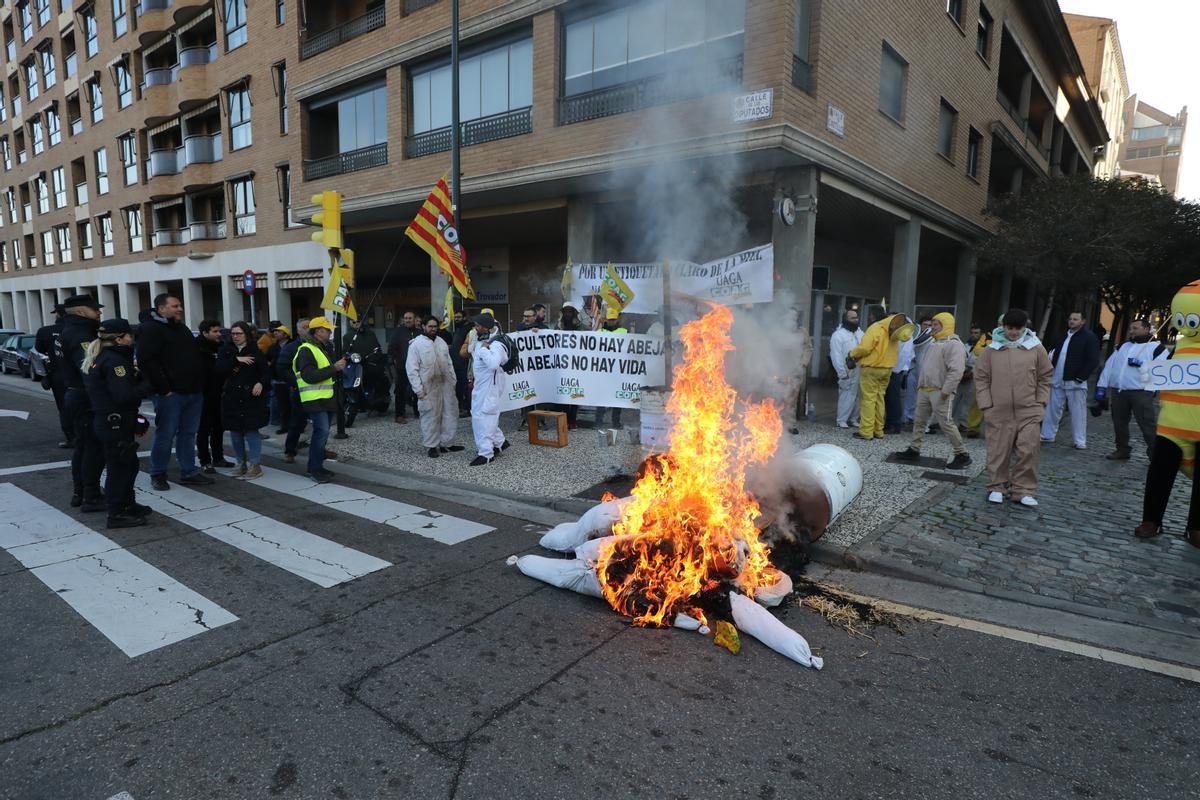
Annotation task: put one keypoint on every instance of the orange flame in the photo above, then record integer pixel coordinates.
(691, 522)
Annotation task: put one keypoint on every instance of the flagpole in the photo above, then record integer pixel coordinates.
(455, 126)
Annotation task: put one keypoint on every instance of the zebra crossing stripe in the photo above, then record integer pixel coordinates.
(324, 562)
(135, 605)
(364, 505)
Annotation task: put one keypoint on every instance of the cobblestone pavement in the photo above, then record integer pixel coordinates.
(1076, 550)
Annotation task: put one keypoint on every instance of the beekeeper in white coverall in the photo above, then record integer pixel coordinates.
(431, 375)
(488, 355)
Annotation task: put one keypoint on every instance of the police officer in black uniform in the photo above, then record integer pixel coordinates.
(115, 391)
(87, 462)
(48, 342)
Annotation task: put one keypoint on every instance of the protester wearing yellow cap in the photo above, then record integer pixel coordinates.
(941, 372)
(315, 371)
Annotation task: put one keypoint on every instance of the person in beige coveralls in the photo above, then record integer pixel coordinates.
(1012, 385)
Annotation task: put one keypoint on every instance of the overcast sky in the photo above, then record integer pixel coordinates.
(1162, 61)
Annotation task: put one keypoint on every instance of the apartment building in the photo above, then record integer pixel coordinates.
(1154, 148)
(1099, 49)
(864, 146)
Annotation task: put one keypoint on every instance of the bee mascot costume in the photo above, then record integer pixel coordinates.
(1178, 428)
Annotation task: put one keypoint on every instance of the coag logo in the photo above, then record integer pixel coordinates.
(523, 394)
(573, 392)
(632, 395)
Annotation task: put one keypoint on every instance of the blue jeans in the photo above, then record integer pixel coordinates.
(316, 444)
(251, 440)
(176, 420)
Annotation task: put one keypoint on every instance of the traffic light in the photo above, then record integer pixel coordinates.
(329, 218)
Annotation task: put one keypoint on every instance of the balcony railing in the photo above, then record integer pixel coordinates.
(713, 76)
(81, 193)
(352, 161)
(477, 131)
(151, 5)
(169, 236)
(206, 230)
(416, 5)
(331, 38)
(193, 56)
(160, 76)
(163, 162)
(201, 149)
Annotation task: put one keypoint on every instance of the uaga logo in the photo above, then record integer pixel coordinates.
(629, 391)
(570, 388)
(522, 391)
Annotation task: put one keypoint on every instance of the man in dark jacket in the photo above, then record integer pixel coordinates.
(280, 400)
(398, 352)
(315, 373)
(461, 329)
(1075, 358)
(48, 342)
(297, 419)
(169, 357)
(210, 437)
(87, 460)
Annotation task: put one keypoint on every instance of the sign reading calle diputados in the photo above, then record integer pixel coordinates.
(582, 368)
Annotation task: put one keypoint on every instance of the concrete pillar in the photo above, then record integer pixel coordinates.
(107, 296)
(231, 301)
(33, 306)
(128, 300)
(1006, 279)
(438, 284)
(964, 292)
(21, 307)
(64, 293)
(8, 314)
(48, 298)
(193, 302)
(906, 252)
(795, 244)
(157, 288)
(581, 229)
(279, 301)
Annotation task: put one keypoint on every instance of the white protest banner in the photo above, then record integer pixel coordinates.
(1171, 376)
(592, 368)
(745, 277)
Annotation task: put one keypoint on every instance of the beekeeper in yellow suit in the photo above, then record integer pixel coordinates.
(1178, 428)
(875, 356)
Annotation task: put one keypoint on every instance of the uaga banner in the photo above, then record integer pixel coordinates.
(745, 277)
(582, 368)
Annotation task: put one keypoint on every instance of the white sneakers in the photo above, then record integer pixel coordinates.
(996, 497)
(1081, 447)
(1028, 500)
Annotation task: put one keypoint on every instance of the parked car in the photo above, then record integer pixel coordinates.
(14, 354)
(39, 364)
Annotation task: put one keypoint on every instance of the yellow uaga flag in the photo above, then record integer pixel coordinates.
(435, 232)
(613, 291)
(339, 294)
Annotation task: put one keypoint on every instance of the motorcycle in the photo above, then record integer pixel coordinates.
(366, 384)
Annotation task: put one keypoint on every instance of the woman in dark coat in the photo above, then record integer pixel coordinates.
(244, 397)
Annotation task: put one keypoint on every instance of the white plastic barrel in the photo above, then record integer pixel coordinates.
(838, 473)
(656, 425)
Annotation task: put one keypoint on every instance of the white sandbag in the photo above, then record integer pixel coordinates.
(564, 573)
(596, 522)
(754, 620)
(771, 596)
(589, 551)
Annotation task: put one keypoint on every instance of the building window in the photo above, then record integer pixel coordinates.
(49, 74)
(974, 139)
(104, 224)
(62, 239)
(6, 152)
(101, 171)
(26, 21)
(285, 186)
(947, 124)
(235, 23)
(43, 9)
(893, 78)
(83, 230)
(649, 38)
(92, 40)
(43, 194)
(243, 206)
(133, 224)
(10, 196)
(37, 133)
(983, 33)
(31, 80)
(58, 177)
(128, 147)
(96, 98)
(3, 106)
(53, 126)
(802, 71)
(491, 82)
(349, 122)
(17, 253)
(280, 11)
(281, 86)
(239, 117)
(48, 248)
(3, 257)
(954, 9)
(31, 258)
(120, 10)
(124, 85)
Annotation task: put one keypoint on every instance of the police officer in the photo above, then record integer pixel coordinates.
(115, 391)
(87, 462)
(49, 343)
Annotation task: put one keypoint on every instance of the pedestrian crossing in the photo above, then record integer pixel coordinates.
(140, 608)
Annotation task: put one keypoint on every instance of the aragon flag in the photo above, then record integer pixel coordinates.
(435, 232)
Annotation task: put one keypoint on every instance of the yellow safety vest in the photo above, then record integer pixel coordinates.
(313, 391)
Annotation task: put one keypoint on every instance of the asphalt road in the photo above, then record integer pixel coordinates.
(447, 674)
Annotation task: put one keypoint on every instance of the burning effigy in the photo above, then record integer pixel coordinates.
(686, 548)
